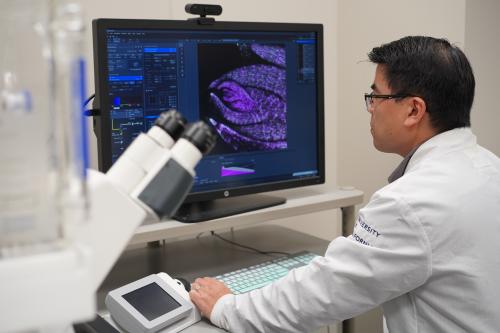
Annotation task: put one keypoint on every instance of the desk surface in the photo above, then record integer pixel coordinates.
(207, 256)
(299, 202)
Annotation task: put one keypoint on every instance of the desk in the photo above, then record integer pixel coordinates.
(206, 256)
(209, 256)
(299, 202)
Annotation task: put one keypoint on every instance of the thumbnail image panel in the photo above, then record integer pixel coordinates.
(243, 95)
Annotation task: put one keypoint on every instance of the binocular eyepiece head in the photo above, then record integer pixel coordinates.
(198, 133)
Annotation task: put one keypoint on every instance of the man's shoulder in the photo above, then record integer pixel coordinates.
(446, 181)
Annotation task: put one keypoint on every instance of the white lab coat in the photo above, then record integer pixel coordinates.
(426, 247)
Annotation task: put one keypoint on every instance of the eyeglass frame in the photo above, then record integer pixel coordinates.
(394, 96)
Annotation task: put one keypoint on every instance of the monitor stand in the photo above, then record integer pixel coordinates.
(212, 209)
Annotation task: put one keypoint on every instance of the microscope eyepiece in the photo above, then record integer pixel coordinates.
(201, 136)
(172, 122)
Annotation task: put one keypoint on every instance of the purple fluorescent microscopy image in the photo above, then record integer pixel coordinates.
(249, 102)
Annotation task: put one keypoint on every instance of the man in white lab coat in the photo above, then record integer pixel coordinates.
(427, 246)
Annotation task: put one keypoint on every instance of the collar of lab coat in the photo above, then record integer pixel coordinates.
(442, 143)
(401, 168)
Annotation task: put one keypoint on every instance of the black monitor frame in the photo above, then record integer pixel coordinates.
(102, 122)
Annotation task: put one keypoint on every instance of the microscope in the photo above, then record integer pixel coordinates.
(52, 289)
(63, 225)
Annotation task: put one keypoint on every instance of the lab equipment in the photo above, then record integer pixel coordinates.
(265, 100)
(257, 276)
(174, 177)
(42, 169)
(81, 263)
(155, 302)
(142, 155)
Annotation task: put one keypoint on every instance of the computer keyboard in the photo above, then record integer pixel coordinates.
(257, 276)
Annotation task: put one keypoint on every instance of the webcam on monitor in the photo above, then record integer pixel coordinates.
(203, 10)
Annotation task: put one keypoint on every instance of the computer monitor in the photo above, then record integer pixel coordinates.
(259, 85)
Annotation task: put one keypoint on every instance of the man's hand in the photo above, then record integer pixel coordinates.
(205, 292)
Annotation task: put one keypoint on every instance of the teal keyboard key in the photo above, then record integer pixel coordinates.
(253, 287)
(258, 276)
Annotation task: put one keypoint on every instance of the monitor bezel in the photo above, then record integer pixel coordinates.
(102, 121)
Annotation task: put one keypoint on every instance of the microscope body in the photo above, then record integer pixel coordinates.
(48, 291)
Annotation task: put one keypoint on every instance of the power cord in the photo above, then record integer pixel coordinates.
(248, 247)
(87, 101)
(90, 112)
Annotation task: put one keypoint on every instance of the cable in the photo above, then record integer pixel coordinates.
(88, 100)
(248, 247)
(91, 112)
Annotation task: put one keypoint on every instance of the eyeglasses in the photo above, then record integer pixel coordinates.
(369, 98)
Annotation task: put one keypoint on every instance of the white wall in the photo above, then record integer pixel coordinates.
(482, 46)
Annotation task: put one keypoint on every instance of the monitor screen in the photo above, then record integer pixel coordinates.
(259, 85)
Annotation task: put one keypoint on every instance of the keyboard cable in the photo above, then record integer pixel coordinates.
(267, 253)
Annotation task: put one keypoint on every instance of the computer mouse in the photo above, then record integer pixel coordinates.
(184, 282)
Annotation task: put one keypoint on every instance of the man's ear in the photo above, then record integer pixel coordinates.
(416, 111)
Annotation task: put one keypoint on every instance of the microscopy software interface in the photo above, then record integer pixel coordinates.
(257, 89)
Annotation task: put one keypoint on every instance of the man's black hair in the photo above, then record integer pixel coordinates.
(434, 70)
